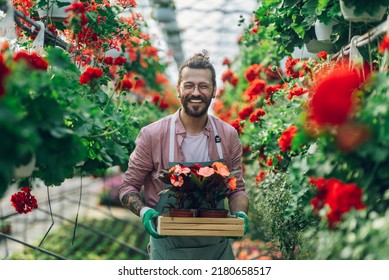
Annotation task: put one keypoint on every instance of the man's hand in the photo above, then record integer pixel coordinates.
(148, 221)
(243, 216)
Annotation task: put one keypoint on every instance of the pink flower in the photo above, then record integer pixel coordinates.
(206, 171)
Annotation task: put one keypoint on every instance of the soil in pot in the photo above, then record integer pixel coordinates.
(212, 213)
(182, 212)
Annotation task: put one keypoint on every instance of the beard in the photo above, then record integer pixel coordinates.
(193, 109)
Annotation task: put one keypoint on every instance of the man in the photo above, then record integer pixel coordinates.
(188, 136)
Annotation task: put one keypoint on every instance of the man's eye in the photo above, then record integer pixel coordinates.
(205, 87)
(188, 86)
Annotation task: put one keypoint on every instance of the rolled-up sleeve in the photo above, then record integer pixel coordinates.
(140, 165)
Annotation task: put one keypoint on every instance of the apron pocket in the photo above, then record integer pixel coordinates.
(215, 251)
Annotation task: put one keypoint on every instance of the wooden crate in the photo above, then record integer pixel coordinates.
(196, 226)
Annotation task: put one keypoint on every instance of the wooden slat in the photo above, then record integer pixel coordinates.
(196, 226)
(202, 233)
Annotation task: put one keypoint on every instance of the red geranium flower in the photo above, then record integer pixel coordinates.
(296, 91)
(333, 99)
(90, 74)
(338, 196)
(236, 124)
(384, 45)
(252, 72)
(34, 60)
(245, 112)
(23, 201)
(285, 141)
(254, 117)
(322, 55)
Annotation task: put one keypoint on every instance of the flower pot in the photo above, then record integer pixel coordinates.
(23, 171)
(323, 31)
(182, 212)
(212, 213)
(349, 15)
(316, 46)
(54, 12)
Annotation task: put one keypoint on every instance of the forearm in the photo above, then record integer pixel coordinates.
(239, 203)
(133, 202)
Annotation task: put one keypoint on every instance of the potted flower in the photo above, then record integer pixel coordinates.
(181, 187)
(215, 183)
(198, 187)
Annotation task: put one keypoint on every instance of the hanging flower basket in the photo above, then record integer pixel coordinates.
(316, 46)
(349, 14)
(23, 171)
(323, 31)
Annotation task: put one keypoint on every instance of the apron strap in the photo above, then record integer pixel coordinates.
(172, 137)
(217, 139)
(173, 132)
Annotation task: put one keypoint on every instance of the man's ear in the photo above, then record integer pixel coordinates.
(214, 92)
(178, 91)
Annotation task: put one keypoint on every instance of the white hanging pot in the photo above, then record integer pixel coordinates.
(54, 12)
(164, 14)
(316, 46)
(323, 31)
(23, 171)
(349, 15)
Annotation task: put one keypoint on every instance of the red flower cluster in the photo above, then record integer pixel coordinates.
(4, 71)
(124, 85)
(226, 61)
(160, 102)
(252, 72)
(236, 124)
(120, 60)
(260, 177)
(272, 74)
(255, 89)
(322, 55)
(291, 65)
(229, 76)
(90, 74)
(245, 112)
(34, 60)
(339, 197)
(296, 91)
(285, 141)
(333, 99)
(254, 117)
(23, 201)
(384, 45)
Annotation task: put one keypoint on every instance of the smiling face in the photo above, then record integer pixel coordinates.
(196, 91)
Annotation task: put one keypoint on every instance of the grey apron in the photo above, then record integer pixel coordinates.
(188, 247)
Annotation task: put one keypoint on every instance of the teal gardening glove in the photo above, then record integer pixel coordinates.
(148, 221)
(243, 216)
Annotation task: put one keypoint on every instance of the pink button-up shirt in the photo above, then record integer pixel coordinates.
(151, 155)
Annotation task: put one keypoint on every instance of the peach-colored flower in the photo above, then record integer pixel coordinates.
(221, 168)
(180, 169)
(232, 183)
(206, 171)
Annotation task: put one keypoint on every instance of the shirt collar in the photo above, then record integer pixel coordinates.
(180, 129)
